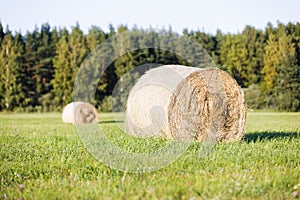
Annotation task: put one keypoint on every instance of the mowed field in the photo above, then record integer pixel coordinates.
(42, 158)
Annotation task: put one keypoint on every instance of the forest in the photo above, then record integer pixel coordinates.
(38, 68)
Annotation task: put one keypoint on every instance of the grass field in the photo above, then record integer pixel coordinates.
(42, 158)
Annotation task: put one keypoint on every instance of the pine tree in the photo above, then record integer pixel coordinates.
(78, 47)
(217, 51)
(11, 94)
(125, 62)
(91, 69)
(272, 59)
(287, 82)
(45, 53)
(95, 37)
(70, 53)
(63, 73)
(281, 72)
(233, 57)
(40, 51)
(30, 64)
(254, 43)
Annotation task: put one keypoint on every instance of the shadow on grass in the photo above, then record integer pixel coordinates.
(110, 122)
(269, 135)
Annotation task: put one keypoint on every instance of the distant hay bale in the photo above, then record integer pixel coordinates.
(80, 113)
(176, 101)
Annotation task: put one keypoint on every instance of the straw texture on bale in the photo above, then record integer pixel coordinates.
(80, 113)
(176, 101)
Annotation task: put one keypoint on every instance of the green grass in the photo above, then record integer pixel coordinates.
(48, 158)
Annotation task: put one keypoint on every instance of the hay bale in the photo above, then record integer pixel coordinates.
(80, 113)
(176, 101)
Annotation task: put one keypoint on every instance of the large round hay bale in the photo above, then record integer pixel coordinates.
(176, 101)
(80, 113)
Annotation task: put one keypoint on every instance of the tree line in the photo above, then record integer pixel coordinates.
(38, 69)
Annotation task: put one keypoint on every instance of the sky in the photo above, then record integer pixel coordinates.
(205, 15)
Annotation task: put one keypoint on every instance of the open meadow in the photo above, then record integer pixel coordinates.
(42, 158)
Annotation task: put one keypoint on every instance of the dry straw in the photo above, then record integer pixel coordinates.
(80, 113)
(182, 102)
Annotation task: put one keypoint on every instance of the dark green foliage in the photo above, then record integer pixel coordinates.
(38, 69)
(38, 62)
